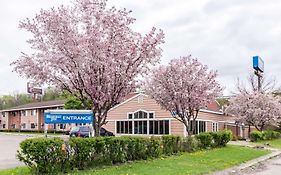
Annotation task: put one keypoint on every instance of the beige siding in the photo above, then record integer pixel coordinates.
(110, 126)
(214, 117)
(177, 128)
(133, 105)
(147, 104)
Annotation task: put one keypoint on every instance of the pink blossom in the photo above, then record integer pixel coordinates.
(183, 87)
(89, 50)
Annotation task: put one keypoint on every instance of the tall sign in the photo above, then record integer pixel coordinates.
(258, 66)
(34, 90)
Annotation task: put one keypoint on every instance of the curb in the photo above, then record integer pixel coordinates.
(28, 135)
(236, 169)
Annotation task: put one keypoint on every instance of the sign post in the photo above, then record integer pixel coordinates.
(66, 116)
(258, 65)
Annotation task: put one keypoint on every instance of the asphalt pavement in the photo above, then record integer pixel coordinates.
(9, 144)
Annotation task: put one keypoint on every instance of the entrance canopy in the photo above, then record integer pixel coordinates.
(68, 116)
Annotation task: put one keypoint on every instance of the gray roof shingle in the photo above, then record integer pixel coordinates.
(36, 105)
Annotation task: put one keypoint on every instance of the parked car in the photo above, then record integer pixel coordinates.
(85, 131)
(81, 131)
(104, 132)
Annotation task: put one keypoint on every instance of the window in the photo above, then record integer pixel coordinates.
(62, 126)
(32, 125)
(215, 126)
(140, 115)
(140, 122)
(23, 126)
(23, 113)
(140, 127)
(33, 112)
(4, 125)
(130, 116)
(124, 127)
(151, 115)
(200, 126)
(159, 127)
(13, 126)
(152, 127)
(3, 114)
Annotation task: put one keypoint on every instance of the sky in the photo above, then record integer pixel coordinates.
(223, 34)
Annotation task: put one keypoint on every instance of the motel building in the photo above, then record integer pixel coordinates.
(137, 115)
(30, 116)
(140, 115)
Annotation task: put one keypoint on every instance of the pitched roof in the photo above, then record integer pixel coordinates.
(36, 105)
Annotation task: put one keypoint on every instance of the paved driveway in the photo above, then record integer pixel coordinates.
(9, 144)
(269, 167)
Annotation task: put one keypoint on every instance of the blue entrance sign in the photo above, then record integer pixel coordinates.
(68, 116)
(258, 64)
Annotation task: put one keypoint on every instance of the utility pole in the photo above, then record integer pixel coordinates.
(258, 66)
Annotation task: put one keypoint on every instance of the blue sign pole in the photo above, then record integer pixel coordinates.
(258, 65)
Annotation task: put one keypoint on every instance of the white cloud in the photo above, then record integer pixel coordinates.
(222, 34)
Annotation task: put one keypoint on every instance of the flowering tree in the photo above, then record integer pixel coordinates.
(183, 87)
(89, 50)
(255, 108)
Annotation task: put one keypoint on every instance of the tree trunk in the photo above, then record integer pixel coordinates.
(249, 130)
(193, 127)
(96, 124)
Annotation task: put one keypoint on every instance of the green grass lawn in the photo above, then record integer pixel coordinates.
(188, 163)
(275, 143)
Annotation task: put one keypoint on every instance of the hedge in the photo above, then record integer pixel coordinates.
(53, 155)
(214, 139)
(264, 135)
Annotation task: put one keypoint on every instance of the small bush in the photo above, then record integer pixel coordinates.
(269, 135)
(265, 135)
(205, 139)
(190, 144)
(44, 155)
(171, 144)
(256, 136)
(154, 148)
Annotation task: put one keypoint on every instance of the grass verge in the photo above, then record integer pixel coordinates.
(275, 143)
(200, 162)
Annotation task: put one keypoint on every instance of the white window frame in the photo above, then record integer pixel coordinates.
(133, 126)
(215, 126)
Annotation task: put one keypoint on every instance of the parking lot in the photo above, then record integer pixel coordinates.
(9, 144)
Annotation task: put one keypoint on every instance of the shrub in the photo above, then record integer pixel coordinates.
(235, 138)
(205, 139)
(171, 144)
(80, 151)
(154, 148)
(256, 136)
(265, 135)
(269, 135)
(52, 155)
(226, 137)
(190, 144)
(44, 155)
